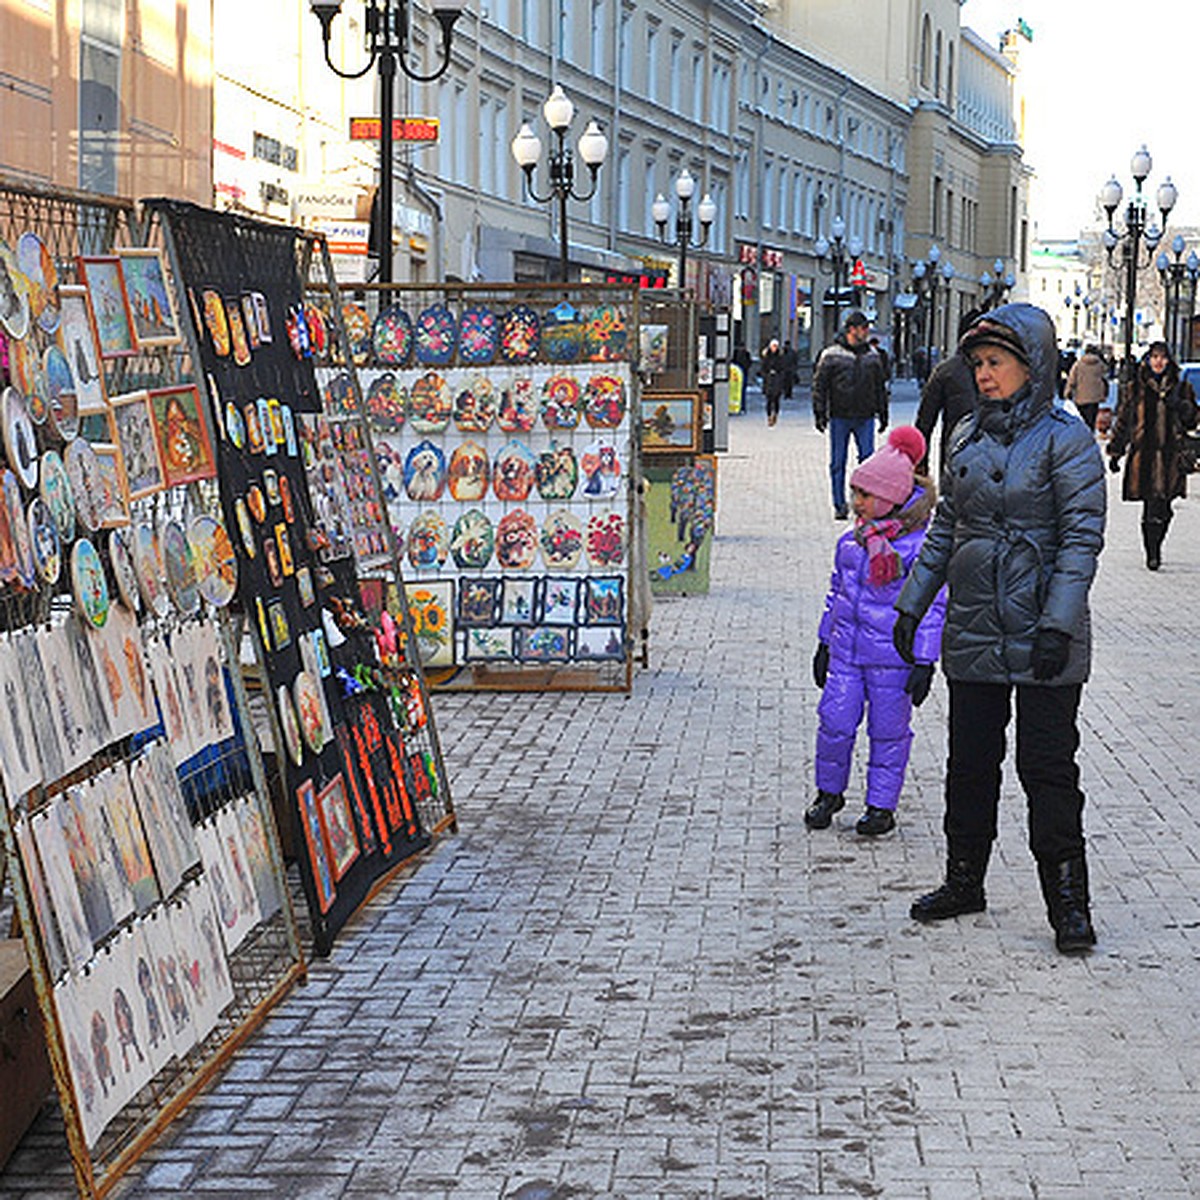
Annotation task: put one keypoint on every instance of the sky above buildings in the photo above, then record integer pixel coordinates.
(1101, 79)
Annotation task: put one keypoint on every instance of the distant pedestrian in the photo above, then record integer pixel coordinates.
(1150, 422)
(948, 395)
(884, 358)
(1087, 384)
(849, 396)
(1016, 537)
(774, 378)
(790, 361)
(855, 664)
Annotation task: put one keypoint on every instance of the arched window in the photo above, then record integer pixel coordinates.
(925, 50)
(951, 99)
(937, 66)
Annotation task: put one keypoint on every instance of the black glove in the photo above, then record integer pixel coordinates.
(904, 634)
(882, 424)
(821, 423)
(1051, 648)
(1114, 463)
(821, 664)
(920, 678)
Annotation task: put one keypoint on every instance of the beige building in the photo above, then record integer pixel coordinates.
(108, 96)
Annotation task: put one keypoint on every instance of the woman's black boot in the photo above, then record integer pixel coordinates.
(961, 893)
(1065, 888)
(819, 814)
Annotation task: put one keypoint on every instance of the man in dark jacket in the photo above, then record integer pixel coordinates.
(849, 395)
(950, 394)
(774, 378)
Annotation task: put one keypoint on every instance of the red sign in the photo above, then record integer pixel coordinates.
(858, 275)
(747, 253)
(404, 129)
(772, 258)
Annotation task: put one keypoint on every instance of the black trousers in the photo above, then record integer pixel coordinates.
(1047, 741)
(773, 403)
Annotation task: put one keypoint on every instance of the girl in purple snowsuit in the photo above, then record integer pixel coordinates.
(856, 665)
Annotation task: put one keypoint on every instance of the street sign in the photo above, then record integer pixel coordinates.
(404, 129)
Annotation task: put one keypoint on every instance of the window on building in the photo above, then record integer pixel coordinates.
(566, 30)
(951, 99)
(698, 85)
(935, 215)
(487, 135)
(676, 80)
(782, 208)
(741, 187)
(625, 47)
(502, 163)
(926, 50)
(498, 11)
(99, 115)
(799, 191)
(937, 65)
(597, 36)
(768, 194)
(623, 191)
(649, 228)
(949, 217)
(462, 147)
(719, 234)
(652, 60)
(720, 113)
(529, 26)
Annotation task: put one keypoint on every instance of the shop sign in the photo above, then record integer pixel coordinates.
(404, 129)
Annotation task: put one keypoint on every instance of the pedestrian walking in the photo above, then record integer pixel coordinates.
(774, 378)
(1016, 537)
(1151, 418)
(848, 397)
(1087, 384)
(790, 363)
(948, 395)
(856, 665)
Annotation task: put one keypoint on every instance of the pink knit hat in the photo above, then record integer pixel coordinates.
(888, 473)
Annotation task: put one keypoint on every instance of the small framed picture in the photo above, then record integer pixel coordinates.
(518, 602)
(81, 345)
(670, 422)
(105, 281)
(281, 633)
(310, 819)
(150, 303)
(181, 432)
(133, 431)
(341, 842)
(599, 643)
(110, 490)
(543, 644)
(489, 645)
(478, 601)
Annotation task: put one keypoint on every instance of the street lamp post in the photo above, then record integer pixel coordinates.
(996, 285)
(1074, 302)
(706, 210)
(1174, 275)
(527, 149)
(925, 275)
(837, 255)
(1135, 233)
(1193, 270)
(387, 43)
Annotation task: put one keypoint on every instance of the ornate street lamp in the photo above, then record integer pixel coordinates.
(706, 210)
(925, 277)
(1135, 234)
(527, 149)
(1174, 275)
(839, 257)
(387, 43)
(996, 285)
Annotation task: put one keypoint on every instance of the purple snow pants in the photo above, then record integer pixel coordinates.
(889, 709)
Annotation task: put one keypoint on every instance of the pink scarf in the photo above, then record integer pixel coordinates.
(883, 561)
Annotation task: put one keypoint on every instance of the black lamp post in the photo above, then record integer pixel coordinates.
(527, 149)
(925, 277)
(1135, 233)
(996, 284)
(1074, 303)
(706, 210)
(387, 30)
(1173, 275)
(839, 256)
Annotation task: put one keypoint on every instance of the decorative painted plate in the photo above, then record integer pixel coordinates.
(604, 337)
(14, 294)
(475, 405)
(562, 334)
(604, 401)
(518, 406)
(478, 335)
(514, 472)
(601, 464)
(561, 540)
(386, 403)
(557, 473)
(37, 265)
(562, 401)
(358, 332)
(148, 563)
(180, 565)
(8, 549)
(339, 393)
(470, 471)
(425, 472)
(516, 540)
(62, 405)
(120, 555)
(89, 583)
(392, 336)
(289, 724)
(20, 440)
(47, 548)
(428, 540)
(473, 540)
(520, 334)
(54, 486)
(429, 404)
(215, 321)
(37, 393)
(605, 540)
(22, 545)
(434, 333)
(307, 693)
(216, 565)
(83, 470)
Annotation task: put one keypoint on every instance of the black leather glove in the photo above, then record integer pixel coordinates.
(1114, 463)
(821, 423)
(882, 424)
(904, 634)
(821, 664)
(919, 681)
(1051, 648)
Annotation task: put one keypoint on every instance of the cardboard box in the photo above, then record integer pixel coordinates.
(25, 1077)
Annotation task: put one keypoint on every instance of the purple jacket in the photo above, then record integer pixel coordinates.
(858, 618)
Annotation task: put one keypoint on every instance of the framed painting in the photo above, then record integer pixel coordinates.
(133, 431)
(670, 422)
(154, 320)
(111, 490)
(80, 344)
(182, 435)
(341, 842)
(306, 795)
(105, 281)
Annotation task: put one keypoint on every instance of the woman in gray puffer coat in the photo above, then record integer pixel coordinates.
(1015, 539)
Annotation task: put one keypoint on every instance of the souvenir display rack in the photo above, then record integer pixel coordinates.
(502, 424)
(363, 780)
(137, 831)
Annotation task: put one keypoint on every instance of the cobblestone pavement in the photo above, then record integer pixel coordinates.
(635, 974)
